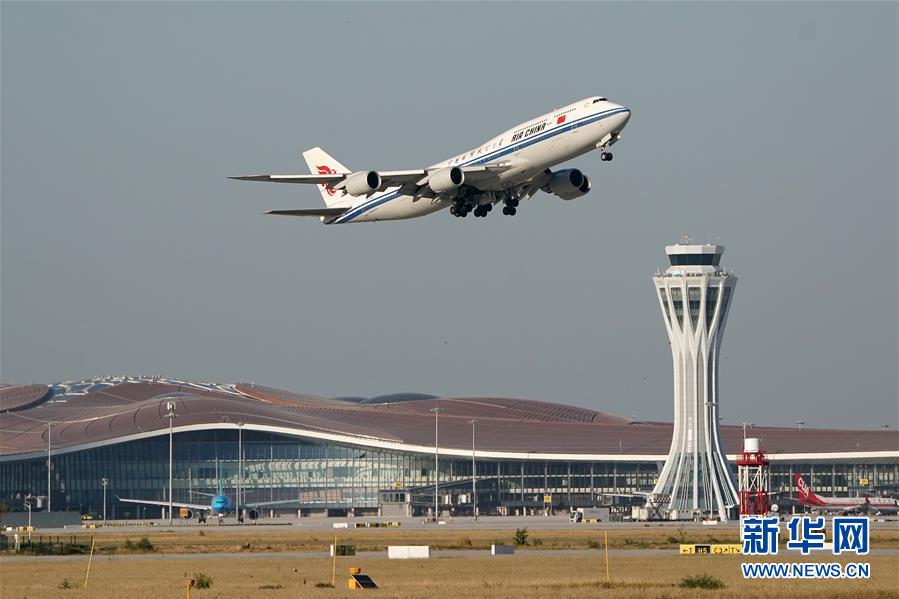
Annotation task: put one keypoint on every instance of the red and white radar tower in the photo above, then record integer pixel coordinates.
(753, 477)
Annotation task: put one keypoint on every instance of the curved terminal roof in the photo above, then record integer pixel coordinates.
(21, 397)
(108, 410)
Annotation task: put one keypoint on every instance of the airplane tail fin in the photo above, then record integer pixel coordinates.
(218, 477)
(322, 163)
(806, 495)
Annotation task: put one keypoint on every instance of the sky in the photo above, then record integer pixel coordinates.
(769, 128)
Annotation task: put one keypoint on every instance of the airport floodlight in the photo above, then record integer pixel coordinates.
(474, 474)
(239, 470)
(104, 482)
(695, 295)
(28, 507)
(436, 411)
(170, 409)
(49, 429)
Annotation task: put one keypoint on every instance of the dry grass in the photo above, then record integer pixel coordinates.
(522, 577)
(161, 574)
(228, 539)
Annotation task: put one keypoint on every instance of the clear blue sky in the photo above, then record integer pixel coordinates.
(769, 127)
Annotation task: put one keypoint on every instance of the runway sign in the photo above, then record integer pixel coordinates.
(711, 549)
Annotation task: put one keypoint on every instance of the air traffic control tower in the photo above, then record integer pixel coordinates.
(695, 294)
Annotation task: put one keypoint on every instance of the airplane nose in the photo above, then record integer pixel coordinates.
(622, 119)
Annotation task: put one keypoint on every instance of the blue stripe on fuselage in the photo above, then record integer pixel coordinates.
(585, 120)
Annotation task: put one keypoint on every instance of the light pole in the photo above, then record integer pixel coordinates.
(474, 474)
(239, 469)
(745, 426)
(28, 507)
(49, 428)
(104, 482)
(436, 462)
(170, 406)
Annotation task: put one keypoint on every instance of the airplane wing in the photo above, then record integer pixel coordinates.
(310, 212)
(267, 503)
(192, 506)
(418, 177)
(388, 178)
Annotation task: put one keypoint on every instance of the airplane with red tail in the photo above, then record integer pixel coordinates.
(507, 169)
(808, 498)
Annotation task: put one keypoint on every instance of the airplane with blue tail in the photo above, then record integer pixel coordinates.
(220, 505)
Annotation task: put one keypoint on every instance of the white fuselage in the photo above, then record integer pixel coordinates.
(529, 148)
(851, 504)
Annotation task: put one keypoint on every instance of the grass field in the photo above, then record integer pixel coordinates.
(161, 574)
(214, 540)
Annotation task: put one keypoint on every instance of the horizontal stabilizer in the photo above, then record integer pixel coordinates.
(310, 212)
(310, 179)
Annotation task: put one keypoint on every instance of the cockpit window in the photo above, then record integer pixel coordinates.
(599, 100)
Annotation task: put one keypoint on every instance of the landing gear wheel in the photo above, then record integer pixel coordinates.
(513, 203)
(506, 211)
(512, 211)
(453, 211)
(606, 156)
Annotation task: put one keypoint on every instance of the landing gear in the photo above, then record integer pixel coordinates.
(482, 210)
(461, 208)
(511, 203)
(606, 156)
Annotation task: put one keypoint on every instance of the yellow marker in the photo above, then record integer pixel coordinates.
(334, 566)
(89, 560)
(605, 535)
(729, 549)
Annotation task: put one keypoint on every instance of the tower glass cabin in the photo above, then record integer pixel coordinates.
(695, 295)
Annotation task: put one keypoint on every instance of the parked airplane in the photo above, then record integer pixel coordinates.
(220, 505)
(808, 498)
(512, 166)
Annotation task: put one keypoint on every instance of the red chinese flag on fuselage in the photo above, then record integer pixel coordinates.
(560, 120)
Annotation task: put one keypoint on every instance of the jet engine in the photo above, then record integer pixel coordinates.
(568, 184)
(362, 183)
(446, 179)
(253, 514)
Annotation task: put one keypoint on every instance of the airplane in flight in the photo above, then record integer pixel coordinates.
(808, 498)
(506, 169)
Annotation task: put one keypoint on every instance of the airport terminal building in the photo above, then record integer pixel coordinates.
(325, 456)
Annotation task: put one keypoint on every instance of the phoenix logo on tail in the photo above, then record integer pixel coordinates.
(324, 170)
(808, 498)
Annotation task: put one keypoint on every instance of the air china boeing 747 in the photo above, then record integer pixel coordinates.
(512, 166)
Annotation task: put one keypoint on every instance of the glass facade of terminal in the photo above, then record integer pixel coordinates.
(318, 477)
